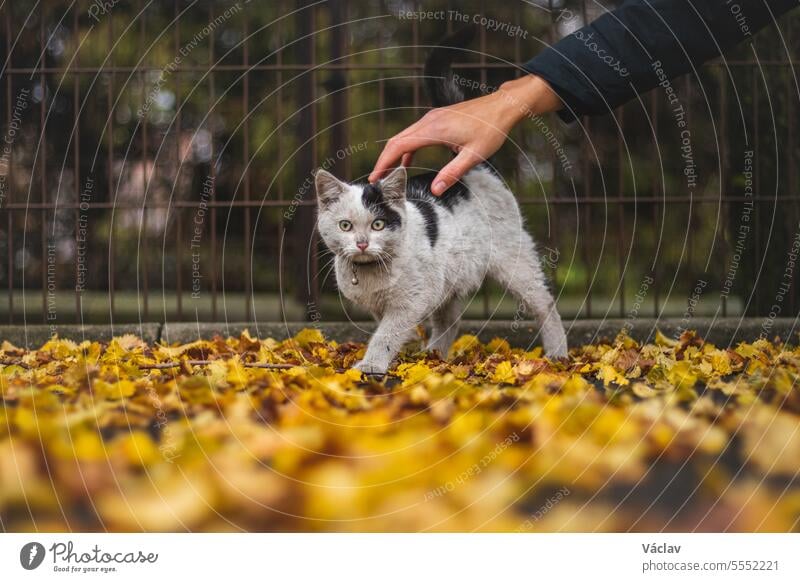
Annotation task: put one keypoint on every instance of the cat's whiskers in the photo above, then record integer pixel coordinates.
(328, 274)
(330, 266)
(327, 264)
(383, 260)
(325, 251)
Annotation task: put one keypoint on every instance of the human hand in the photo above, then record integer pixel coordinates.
(473, 129)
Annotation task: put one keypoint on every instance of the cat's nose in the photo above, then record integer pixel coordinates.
(362, 245)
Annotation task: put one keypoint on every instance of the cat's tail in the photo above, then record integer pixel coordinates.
(442, 85)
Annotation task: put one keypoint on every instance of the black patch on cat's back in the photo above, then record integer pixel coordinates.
(429, 216)
(419, 188)
(373, 200)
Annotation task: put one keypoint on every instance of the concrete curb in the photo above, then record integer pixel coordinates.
(722, 332)
(33, 336)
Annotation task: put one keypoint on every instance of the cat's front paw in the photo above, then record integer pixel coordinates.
(437, 350)
(370, 369)
(558, 353)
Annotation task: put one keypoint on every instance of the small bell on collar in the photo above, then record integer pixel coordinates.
(354, 280)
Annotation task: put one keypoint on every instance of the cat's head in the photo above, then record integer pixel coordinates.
(362, 222)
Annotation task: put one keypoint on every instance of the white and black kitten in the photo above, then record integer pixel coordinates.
(408, 256)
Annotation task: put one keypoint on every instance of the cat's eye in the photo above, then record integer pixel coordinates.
(378, 224)
(345, 225)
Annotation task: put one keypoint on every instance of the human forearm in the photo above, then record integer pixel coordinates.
(474, 129)
(611, 60)
(527, 96)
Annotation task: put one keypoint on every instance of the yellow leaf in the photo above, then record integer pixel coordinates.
(197, 390)
(575, 384)
(139, 449)
(746, 350)
(782, 381)
(682, 376)
(642, 390)
(413, 373)
(535, 353)
(662, 340)
(308, 336)
(129, 342)
(216, 371)
(86, 445)
(721, 362)
(353, 374)
(114, 391)
(172, 352)
(237, 374)
(419, 395)
(504, 373)
(608, 375)
(7, 346)
(465, 344)
(498, 345)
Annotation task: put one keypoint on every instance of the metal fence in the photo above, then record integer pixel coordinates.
(157, 158)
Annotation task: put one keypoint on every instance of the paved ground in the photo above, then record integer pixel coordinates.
(722, 332)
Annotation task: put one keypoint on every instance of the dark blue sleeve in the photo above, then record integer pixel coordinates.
(632, 49)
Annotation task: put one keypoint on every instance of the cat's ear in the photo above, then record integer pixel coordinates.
(393, 186)
(328, 187)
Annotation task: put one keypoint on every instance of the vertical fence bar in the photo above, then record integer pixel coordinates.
(584, 210)
(791, 162)
(76, 154)
(178, 168)
(791, 152)
(690, 262)
(315, 291)
(336, 99)
(757, 184)
(381, 97)
(9, 225)
(553, 219)
(621, 211)
(279, 181)
(248, 251)
(655, 189)
(724, 182)
(415, 55)
(791, 177)
(518, 132)
(110, 162)
(303, 94)
(485, 288)
(212, 170)
(587, 192)
(344, 11)
(10, 170)
(43, 160)
(146, 175)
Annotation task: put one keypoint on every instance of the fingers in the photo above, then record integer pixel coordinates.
(454, 171)
(396, 149)
(392, 152)
(406, 161)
